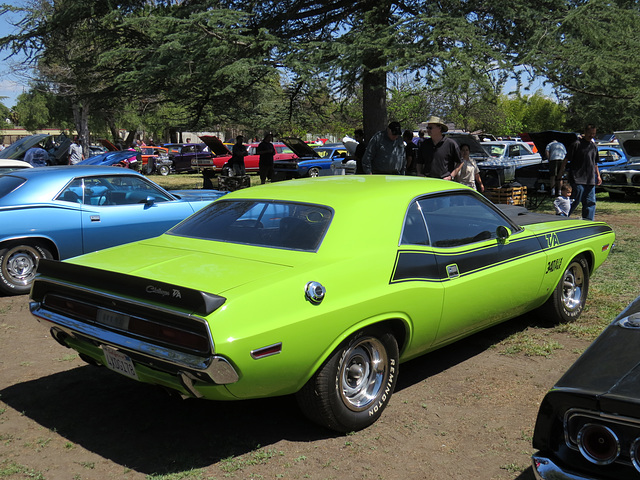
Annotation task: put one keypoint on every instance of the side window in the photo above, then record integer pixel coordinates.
(414, 231)
(461, 219)
(73, 192)
(122, 190)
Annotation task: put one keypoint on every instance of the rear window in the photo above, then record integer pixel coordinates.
(296, 226)
(8, 183)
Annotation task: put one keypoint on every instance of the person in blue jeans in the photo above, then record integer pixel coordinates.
(581, 163)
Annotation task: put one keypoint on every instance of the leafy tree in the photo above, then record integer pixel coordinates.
(358, 44)
(5, 112)
(589, 48)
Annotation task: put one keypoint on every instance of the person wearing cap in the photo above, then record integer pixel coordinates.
(438, 155)
(385, 152)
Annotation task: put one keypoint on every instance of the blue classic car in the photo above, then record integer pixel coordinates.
(311, 162)
(63, 211)
(610, 156)
(120, 158)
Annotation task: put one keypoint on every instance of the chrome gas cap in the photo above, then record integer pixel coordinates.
(315, 292)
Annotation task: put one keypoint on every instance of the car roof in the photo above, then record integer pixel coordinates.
(505, 142)
(344, 190)
(42, 183)
(72, 171)
(8, 162)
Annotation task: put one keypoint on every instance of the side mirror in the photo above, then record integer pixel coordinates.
(503, 234)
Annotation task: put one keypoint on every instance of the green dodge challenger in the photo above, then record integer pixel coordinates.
(318, 287)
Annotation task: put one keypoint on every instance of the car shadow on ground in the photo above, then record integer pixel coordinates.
(425, 366)
(143, 428)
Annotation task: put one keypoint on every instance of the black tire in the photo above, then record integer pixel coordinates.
(570, 295)
(616, 196)
(313, 172)
(163, 170)
(353, 387)
(18, 263)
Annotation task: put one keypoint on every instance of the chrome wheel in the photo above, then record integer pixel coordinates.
(570, 294)
(354, 386)
(18, 265)
(314, 172)
(572, 287)
(362, 371)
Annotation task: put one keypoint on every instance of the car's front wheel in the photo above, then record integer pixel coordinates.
(163, 170)
(570, 295)
(313, 172)
(353, 387)
(18, 263)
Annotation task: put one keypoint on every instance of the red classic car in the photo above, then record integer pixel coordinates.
(222, 154)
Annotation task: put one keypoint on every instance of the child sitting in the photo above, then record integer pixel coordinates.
(564, 201)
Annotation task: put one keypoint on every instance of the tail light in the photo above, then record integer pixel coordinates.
(598, 444)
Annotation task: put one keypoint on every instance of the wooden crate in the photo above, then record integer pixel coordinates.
(509, 195)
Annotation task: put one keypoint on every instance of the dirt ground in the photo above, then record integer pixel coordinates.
(464, 412)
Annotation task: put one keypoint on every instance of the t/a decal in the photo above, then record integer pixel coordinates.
(554, 265)
(552, 240)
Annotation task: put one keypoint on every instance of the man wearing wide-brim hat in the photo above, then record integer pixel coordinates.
(438, 155)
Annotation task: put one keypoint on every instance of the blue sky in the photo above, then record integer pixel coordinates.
(10, 85)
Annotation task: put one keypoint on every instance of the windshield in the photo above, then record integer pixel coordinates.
(496, 150)
(297, 226)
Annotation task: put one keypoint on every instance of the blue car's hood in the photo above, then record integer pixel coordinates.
(197, 195)
(109, 158)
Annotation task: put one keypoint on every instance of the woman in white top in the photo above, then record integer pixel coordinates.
(468, 173)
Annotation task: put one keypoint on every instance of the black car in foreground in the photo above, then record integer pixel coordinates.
(588, 425)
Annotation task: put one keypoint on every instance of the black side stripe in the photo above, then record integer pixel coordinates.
(430, 266)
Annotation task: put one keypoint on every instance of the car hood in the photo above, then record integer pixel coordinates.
(629, 142)
(610, 368)
(477, 152)
(215, 145)
(108, 145)
(197, 195)
(109, 158)
(17, 149)
(300, 148)
(542, 139)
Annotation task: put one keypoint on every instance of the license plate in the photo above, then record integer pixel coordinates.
(119, 362)
(113, 319)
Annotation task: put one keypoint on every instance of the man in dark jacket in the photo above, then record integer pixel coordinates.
(584, 176)
(385, 152)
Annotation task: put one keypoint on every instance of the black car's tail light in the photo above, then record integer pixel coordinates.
(635, 453)
(598, 444)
